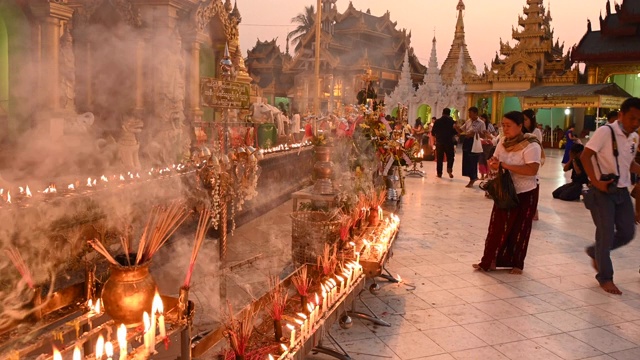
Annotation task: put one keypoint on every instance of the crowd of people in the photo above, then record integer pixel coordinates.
(601, 174)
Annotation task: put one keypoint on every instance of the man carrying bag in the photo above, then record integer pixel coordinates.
(608, 160)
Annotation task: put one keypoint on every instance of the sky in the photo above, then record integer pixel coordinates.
(486, 21)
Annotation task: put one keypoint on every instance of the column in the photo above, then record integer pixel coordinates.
(193, 42)
(50, 16)
(470, 101)
(592, 78)
(494, 107)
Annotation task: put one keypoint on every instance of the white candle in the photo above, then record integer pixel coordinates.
(341, 279)
(147, 331)
(357, 257)
(56, 354)
(310, 309)
(152, 332)
(99, 347)
(108, 349)
(324, 299)
(304, 328)
(301, 323)
(159, 307)
(292, 341)
(77, 355)
(122, 341)
(354, 248)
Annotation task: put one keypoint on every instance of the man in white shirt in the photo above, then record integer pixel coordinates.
(609, 164)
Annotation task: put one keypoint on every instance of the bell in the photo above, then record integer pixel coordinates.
(346, 322)
(374, 289)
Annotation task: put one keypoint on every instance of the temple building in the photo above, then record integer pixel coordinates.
(353, 44)
(109, 59)
(458, 46)
(266, 63)
(536, 59)
(612, 54)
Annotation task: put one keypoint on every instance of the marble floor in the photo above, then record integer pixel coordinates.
(445, 310)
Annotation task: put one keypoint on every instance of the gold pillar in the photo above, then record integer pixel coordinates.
(470, 101)
(50, 15)
(592, 78)
(194, 41)
(139, 106)
(494, 107)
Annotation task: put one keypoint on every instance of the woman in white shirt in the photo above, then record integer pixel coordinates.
(509, 230)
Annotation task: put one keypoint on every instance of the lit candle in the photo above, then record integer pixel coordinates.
(99, 347)
(98, 309)
(341, 279)
(357, 257)
(157, 304)
(353, 245)
(380, 214)
(108, 349)
(56, 353)
(310, 307)
(122, 341)
(271, 357)
(285, 351)
(147, 331)
(305, 324)
(324, 299)
(301, 323)
(77, 355)
(292, 340)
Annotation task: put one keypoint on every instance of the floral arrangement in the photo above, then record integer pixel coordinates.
(321, 140)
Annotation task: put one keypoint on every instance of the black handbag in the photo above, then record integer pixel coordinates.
(502, 190)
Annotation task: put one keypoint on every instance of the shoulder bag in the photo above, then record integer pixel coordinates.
(502, 190)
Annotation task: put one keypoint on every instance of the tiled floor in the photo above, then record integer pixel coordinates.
(555, 310)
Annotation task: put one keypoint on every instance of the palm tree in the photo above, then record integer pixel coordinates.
(305, 22)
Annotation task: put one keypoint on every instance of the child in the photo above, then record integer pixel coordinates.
(572, 190)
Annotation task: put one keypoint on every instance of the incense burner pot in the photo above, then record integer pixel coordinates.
(323, 170)
(129, 291)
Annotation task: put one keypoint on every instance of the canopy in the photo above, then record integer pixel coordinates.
(574, 96)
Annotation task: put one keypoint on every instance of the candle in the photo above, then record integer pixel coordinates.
(310, 309)
(301, 323)
(292, 340)
(271, 357)
(99, 347)
(157, 304)
(122, 341)
(380, 214)
(77, 355)
(305, 324)
(341, 279)
(354, 248)
(108, 349)
(357, 257)
(56, 353)
(324, 299)
(285, 351)
(147, 331)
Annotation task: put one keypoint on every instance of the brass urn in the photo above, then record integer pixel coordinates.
(323, 170)
(129, 291)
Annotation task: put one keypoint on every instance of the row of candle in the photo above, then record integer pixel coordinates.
(91, 183)
(379, 242)
(151, 325)
(284, 147)
(332, 290)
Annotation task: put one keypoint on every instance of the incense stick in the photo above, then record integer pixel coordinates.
(102, 250)
(20, 265)
(203, 226)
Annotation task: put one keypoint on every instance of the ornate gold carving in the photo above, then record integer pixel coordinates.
(606, 71)
(207, 10)
(128, 13)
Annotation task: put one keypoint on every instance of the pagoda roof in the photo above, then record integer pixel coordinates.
(618, 39)
(610, 89)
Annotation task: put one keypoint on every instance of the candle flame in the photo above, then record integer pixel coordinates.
(271, 357)
(20, 190)
(309, 307)
(89, 182)
(340, 278)
(97, 308)
(352, 243)
(71, 187)
(122, 336)
(77, 355)
(8, 197)
(104, 178)
(146, 321)
(317, 299)
(121, 177)
(99, 347)
(56, 353)
(399, 278)
(298, 321)
(157, 304)
(291, 327)
(108, 349)
(303, 316)
(28, 192)
(90, 304)
(284, 347)
(1, 191)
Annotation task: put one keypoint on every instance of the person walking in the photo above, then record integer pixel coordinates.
(612, 148)
(509, 230)
(472, 127)
(443, 131)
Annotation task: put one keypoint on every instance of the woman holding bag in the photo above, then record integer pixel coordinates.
(473, 130)
(509, 230)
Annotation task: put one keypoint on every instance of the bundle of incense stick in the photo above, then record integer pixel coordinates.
(328, 260)
(239, 330)
(203, 226)
(97, 245)
(162, 223)
(302, 281)
(377, 198)
(19, 263)
(278, 297)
